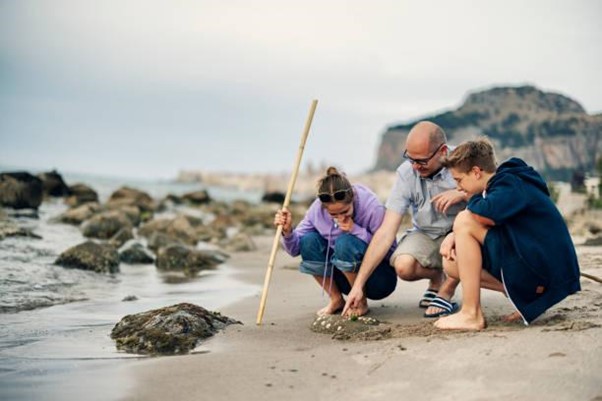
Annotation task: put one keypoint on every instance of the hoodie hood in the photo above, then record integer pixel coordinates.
(519, 168)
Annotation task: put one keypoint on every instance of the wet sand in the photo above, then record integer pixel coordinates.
(559, 357)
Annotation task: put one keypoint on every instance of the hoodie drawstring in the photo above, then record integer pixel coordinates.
(326, 264)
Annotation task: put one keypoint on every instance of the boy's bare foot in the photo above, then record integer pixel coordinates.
(513, 317)
(333, 307)
(462, 321)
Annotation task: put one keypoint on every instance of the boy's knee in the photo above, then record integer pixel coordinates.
(464, 222)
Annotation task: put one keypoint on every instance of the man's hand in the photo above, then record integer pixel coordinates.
(284, 218)
(445, 200)
(355, 300)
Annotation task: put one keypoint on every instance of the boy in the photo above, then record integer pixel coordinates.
(511, 238)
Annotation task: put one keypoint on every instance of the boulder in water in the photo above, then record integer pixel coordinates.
(53, 184)
(89, 255)
(175, 329)
(20, 190)
(126, 196)
(79, 214)
(188, 260)
(197, 198)
(80, 194)
(105, 225)
(136, 254)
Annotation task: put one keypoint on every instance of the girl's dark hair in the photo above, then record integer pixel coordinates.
(335, 183)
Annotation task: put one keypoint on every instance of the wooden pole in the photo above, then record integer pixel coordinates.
(592, 277)
(287, 199)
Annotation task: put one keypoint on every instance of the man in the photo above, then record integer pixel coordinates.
(428, 190)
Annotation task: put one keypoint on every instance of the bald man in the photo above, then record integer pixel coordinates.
(426, 189)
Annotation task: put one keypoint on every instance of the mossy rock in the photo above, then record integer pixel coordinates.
(175, 329)
(89, 255)
(190, 261)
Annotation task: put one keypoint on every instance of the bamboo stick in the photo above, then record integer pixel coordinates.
(287, 199)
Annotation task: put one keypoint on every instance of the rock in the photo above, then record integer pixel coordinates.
(90, 256)
(136, 254)
(222, 222)
(159, 240)
(10, 229)
(127, 196)
(80, 194)
(273, 197)
(262, 214)
(179, 229)
(239, 243)
(105, 225)
(133, 213)
(209, 234)
(129, 298)
(176, 329)
(53, 184)
(187, 260)
(121, 237)
(197, 197)
(79, 214)
(20, 190)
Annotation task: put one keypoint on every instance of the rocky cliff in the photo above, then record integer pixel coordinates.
(550, 131)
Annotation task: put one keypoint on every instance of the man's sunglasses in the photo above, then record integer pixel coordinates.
(421, 162)
(337, 196)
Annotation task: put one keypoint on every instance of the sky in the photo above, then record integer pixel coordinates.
(146, 88)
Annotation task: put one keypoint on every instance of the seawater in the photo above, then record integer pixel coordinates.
(55, 322)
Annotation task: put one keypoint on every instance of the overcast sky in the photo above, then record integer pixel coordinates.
(145, 88)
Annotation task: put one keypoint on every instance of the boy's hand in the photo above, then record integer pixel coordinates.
(448, 247)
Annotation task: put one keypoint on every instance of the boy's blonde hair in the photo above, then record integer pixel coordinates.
(472, 153)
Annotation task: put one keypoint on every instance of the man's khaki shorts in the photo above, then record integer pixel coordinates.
(421, 247)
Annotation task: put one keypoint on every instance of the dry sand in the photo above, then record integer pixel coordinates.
(559, 357)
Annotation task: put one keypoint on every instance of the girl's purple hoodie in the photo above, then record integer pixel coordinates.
(368, 214)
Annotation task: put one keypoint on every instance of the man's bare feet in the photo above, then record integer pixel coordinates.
(359, 311)
(333, 307)
(513, 317)
(462, 321)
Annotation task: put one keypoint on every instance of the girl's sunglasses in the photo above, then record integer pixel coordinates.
(337, 196)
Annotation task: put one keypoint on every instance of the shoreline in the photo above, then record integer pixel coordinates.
(556, 358)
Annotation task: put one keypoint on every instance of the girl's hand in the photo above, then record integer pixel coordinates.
(284, 218)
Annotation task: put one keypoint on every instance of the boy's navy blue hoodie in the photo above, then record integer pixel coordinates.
(530, 248)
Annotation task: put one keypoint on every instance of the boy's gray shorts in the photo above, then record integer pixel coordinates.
(421, 247)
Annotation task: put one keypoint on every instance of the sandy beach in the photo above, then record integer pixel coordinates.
(559, 357)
